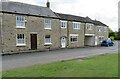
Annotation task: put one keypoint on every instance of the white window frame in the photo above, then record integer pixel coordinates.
(89, 26)
(63, 24)
(76, 25)
(20, 44)
(47, 43)
(21, 22)
(99, 28)
(105, 29)
(47, 25)
(74, 36)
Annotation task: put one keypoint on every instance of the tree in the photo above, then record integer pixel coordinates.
(111, 33)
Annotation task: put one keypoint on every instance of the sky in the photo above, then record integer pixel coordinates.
(105, 11)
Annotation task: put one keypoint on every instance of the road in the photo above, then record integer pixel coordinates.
(29, 59)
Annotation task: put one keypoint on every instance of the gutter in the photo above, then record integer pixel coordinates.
(29, 14)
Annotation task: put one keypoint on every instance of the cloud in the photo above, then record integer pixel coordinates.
(103, 10)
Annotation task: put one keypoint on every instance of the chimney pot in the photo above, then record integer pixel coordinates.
(48, 4)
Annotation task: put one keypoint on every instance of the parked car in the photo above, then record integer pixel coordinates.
(107, 43)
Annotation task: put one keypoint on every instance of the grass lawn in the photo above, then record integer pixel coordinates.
(100, 66)
(0, 75)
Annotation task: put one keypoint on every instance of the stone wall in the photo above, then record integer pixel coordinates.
(80, 32)
(33, 25)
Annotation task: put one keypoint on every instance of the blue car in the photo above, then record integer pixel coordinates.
(107, 43)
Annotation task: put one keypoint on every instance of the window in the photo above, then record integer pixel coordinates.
(105, 29)
(89, 26)
(63, 24)
(20, 39)
(20, 21)
(76, 25)
(101, 38)
(47, 23)
(99, 29)
(47, 39)
(74, 38)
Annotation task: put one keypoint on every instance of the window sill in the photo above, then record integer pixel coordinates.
(48, 44)
(74, 42)
(19, 27)
(20, 45)
(76, 29)
(48, 28)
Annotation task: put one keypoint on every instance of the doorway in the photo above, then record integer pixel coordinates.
(96, 40)
(63, 42)
(33, 41)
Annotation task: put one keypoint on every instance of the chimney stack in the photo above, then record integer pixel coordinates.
(48, 4)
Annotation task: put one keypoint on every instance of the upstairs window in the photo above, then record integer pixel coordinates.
(76, 25)
(99, 29)
(47, 23)
(48, 39)
(89, 26)
(63, 24)
(105, 29)
(20, 21)
(20, 39)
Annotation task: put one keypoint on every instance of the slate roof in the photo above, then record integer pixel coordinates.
(88, 20)
(99, 23)
(23, 8)
(70, 17)
(79, 19)
(28, 9)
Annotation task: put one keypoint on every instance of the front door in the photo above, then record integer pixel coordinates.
(33, 41)
(63, 42)
(96, 40)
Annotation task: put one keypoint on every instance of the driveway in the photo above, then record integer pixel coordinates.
(28, 59)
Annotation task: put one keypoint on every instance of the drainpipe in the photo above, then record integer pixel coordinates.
(60, 32)
(84, 32)
(67, 34)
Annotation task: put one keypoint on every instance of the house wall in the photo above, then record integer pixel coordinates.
(89, 40)
(102, 33)
(0, 32)
(64, 33)
(36, 25)
(80, 32)
(33, 25)
(92, 31)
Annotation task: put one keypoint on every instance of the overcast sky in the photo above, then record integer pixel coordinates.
(105, 11)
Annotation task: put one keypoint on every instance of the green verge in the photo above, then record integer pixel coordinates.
(99, 66)
(0, 75)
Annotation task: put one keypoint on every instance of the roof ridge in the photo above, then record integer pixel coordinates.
(24, 3)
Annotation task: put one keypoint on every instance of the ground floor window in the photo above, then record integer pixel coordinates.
(101, 38)
(74, 38)
(48, 39)
(20, 39)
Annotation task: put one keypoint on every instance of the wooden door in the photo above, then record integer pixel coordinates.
(33, 41)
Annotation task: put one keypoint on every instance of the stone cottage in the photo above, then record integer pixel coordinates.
(26, 27)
